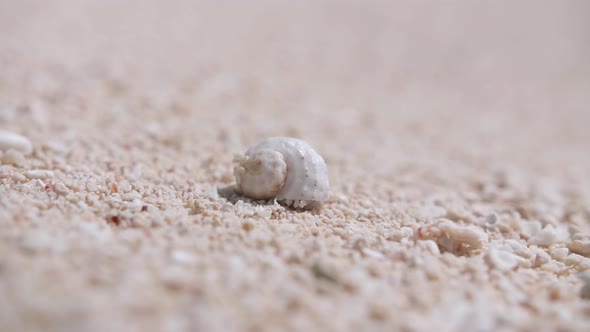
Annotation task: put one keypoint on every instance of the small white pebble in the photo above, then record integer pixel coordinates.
(14, 141)
(39, 174)
(262, 212)
(530, 229)
(542, 258)
(502, 260)
(559, 254)
(243, 209)
(61, 189)
(517, 248)
(581, 247)
(581, 262)
(549, 235)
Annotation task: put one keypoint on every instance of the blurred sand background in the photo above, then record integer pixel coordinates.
(469, 113)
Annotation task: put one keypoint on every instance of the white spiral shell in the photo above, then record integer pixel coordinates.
(283, 168)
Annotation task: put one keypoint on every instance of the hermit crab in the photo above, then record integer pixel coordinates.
(283, 168)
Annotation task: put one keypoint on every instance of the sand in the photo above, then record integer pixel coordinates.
(456, 137)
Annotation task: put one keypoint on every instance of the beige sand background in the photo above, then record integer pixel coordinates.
(455, 132)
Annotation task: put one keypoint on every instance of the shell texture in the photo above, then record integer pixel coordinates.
(283, 168)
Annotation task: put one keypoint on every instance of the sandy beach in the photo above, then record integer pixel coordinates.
(455, 135)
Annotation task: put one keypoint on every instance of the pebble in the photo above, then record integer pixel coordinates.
(13, 141)
(262, 212)
(530, 229)
(559, 254)
(580, 262)
(548, 236)
(61, 189)
(541, 258)
(502, 260)
(39, 174)
(518, 248)
(580, 247)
